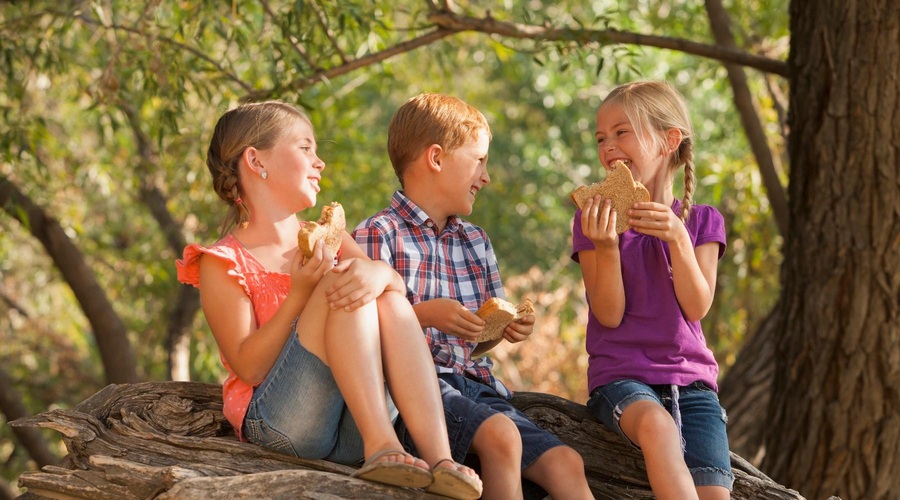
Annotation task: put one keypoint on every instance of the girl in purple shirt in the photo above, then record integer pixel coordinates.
(652, 377)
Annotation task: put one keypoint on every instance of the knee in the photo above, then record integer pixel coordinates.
(651, 422)
(498, 436)
(393, 304)
(564, 461)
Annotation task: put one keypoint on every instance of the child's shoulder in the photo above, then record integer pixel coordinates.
(705, 214)
(384, 219)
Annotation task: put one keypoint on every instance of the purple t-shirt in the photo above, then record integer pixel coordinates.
(655, 343)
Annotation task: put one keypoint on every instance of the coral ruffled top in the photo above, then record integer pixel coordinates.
(266, 290)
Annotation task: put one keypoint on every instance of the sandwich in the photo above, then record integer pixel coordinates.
(619, 187)
(497, 314)
(330, 228)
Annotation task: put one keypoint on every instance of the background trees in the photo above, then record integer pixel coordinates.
(107, 106)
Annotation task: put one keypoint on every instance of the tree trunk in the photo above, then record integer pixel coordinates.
(109, 332)
(12, 407)
(747, 109)
(170, 440)
(835, 424)
(746, 390)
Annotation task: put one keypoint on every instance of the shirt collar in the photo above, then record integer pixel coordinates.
(415, 216)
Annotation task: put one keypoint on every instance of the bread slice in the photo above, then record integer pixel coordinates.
(620, 187)
(497, 313)
(330, 227)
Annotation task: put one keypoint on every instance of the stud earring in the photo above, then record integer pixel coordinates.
(264, 174)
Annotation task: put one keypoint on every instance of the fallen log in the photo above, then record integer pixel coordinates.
(167, 440)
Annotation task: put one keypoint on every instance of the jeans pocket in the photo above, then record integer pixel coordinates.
(258, 432)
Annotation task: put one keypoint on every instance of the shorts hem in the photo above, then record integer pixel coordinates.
(712, 476)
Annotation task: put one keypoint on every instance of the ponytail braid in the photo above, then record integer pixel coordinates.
(227, 185)
(685, 154)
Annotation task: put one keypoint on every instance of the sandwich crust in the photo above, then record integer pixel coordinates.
(619, 187)
(330, 227)
(497, 314)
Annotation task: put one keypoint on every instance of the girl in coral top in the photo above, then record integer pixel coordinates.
(320, 356)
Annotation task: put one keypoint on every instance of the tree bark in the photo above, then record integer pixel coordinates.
(109, 331)
(835, 424)
(170, 440)
(746, 390)
(187, 302)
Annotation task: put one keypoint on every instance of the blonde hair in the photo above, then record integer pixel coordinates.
(428, 119)
(653, 108)
(257, 125)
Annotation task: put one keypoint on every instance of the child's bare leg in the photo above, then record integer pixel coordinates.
(651, 427)
(411, 376)
(349, 343)
(499, 448)
(560, 471)
(412, 379)
(713, 493)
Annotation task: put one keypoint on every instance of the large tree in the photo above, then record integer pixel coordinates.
(824, 362)
(834, 417)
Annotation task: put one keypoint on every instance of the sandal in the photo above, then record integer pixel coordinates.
(453, 483)
(393, 473)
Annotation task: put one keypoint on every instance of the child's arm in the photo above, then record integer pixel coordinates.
(693, 269)
(362, 279)
(250, 351)
(601, 267)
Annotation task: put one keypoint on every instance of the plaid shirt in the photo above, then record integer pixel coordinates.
(458, 264)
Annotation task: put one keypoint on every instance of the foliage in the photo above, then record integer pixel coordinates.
(83, 82)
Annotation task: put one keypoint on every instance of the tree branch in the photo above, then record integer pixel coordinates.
(295, 43)
(323, 21)
(12, 407)
(324, 75)
(459, 23)
(111, 336)
(187, 302)
(743, 101)
(187, 48)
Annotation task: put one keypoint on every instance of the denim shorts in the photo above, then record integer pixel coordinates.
(467, 404)
(703, 423)
(299, 410)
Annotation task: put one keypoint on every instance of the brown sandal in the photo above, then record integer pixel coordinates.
(393, 473)
(453, 483)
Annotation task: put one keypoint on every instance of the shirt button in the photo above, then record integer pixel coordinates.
(429, 223)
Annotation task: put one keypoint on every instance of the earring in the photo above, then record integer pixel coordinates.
(264, 174)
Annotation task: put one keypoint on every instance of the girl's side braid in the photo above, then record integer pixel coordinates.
(241, 215)
(686, 154)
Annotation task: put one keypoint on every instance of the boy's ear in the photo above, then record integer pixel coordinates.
(434, 155)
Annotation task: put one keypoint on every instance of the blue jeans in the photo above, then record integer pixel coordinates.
(299, 410)
(467, 404)
(703, 423)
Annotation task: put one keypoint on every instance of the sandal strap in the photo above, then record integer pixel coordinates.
(381, 453)
(439, 462)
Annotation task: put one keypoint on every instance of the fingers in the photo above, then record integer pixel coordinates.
(519, 330)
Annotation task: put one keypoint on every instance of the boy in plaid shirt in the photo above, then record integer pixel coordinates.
(438, 146)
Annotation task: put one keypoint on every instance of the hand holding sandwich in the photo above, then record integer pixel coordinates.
(495, 320)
